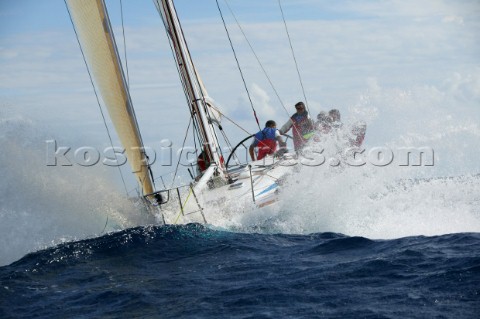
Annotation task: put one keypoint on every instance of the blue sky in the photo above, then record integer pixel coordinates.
(410, 69)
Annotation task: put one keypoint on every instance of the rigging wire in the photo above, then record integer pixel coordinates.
(233, 122)
(161, 178)
(179, 71)
(96, 95)
(124, 44)
(104, 227)
(129, 101)
(194, 134)
(293, 54)
(181, 152)
(203, 100)
(186, 88)
(129, 104)
(238, 65)
(185, 91)
(218, 143)
(256, 57)
(205, 105)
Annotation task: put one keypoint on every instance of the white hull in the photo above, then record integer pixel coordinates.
(203, 201)
(220, 189)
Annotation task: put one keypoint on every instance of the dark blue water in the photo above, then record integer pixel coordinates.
(196, 272)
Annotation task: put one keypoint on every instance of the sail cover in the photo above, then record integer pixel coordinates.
(98, 44)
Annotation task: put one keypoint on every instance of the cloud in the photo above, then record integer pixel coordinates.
(464, 86)
(402, 45)
(453, 19)
(261, 101)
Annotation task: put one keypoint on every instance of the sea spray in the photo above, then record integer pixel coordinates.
(42, 206)
(431, 194)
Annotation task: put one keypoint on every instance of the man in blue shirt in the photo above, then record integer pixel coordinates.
(266, 141)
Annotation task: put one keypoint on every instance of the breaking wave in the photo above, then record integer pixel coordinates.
(41, 206)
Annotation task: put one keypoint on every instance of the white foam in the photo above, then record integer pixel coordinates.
(42, 206)
(394, 201)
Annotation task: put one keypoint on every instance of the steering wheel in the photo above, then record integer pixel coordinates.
(235, 148)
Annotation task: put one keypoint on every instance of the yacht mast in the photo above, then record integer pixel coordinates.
(193, 85)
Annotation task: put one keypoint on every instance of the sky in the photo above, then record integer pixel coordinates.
(410, 69)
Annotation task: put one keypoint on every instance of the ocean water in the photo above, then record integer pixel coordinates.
(192, 271)
(369, 242)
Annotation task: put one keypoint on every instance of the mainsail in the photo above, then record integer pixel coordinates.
(98, 44)
(214, 185)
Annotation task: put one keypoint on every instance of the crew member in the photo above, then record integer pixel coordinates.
(266, 141)
(358, 133)
(204, 160)
(302, 126)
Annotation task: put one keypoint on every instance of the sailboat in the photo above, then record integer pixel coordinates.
(256, 183)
